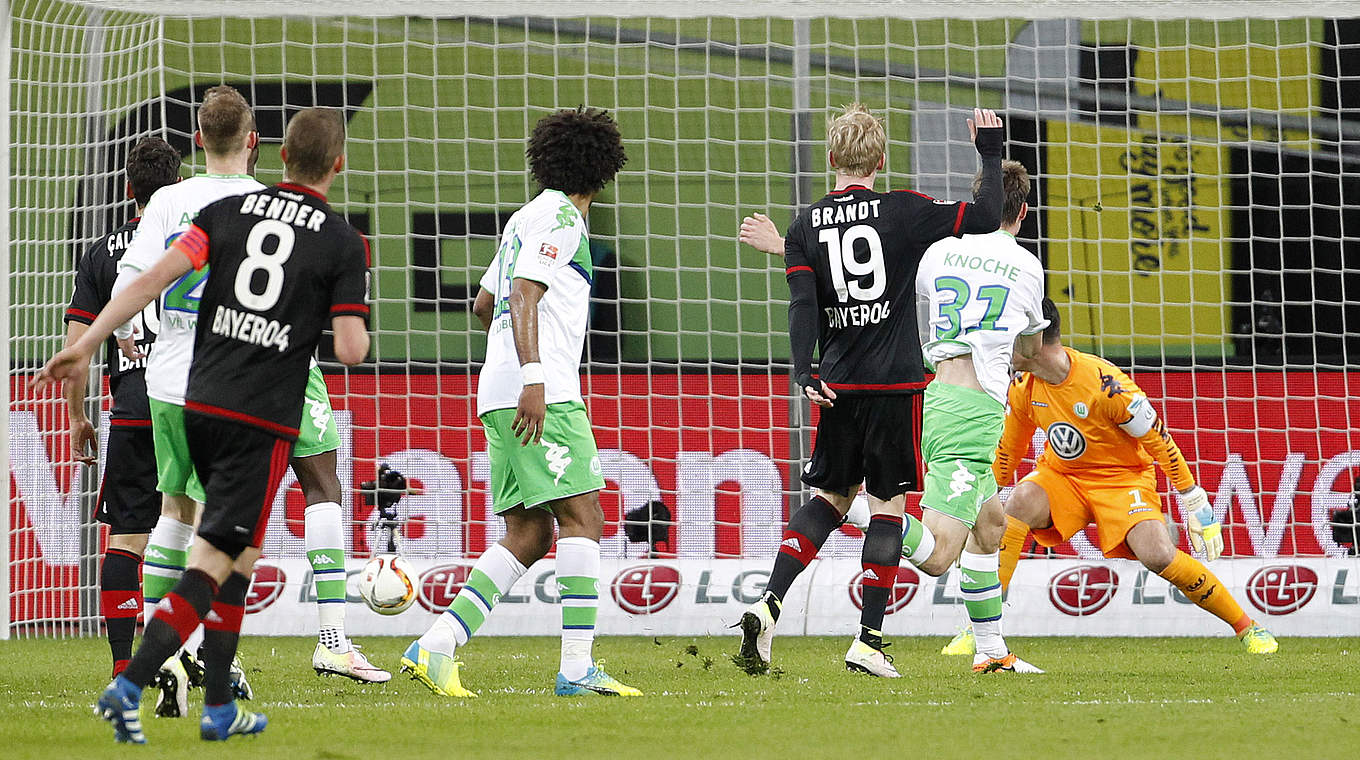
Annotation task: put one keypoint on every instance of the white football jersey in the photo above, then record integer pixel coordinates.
(168, 214)
(975, 295)
(545, 241)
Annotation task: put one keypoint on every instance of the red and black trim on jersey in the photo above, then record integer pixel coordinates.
(80, 315)
(296, 188)
(274, 428)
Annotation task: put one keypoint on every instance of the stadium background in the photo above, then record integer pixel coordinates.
(1190, 217)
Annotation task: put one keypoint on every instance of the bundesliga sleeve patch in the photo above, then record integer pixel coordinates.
(547, 254)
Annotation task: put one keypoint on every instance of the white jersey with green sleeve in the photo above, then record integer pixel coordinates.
(975, 295)
(167, 215)
(545, 241)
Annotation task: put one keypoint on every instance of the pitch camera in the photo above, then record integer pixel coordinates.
(384, 491)
(1346, 523)
(650, 524)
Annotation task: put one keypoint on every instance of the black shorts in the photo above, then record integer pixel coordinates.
(873, 440)
(128, 501)
(240, 467)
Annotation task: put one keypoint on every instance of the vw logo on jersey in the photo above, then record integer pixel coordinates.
(1066, 441)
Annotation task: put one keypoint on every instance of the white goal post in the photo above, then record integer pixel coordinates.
(1195, 194)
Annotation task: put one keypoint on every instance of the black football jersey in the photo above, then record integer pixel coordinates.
(863, 248)
(283, 264)
(95, 275)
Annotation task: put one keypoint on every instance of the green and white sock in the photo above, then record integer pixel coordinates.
(578, 586)
(980, 586)
(490, 579)
(167, 553)
(918, 543)
(323, 535)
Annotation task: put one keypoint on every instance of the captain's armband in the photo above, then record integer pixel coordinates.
(1141, 417)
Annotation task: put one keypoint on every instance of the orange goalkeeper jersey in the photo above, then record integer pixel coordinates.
(1096, 419)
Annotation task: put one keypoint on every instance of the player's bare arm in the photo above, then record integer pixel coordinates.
(71, 363)
(84, 443)
(483, 306)
(524, 298)
(760, 233)
(351, 339)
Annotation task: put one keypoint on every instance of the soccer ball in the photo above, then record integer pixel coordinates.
(388, 584)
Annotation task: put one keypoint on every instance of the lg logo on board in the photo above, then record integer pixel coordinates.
(1281, 589)
(1083, 590)
(646, 589)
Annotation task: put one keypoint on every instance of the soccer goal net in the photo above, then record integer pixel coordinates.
(1194, 182)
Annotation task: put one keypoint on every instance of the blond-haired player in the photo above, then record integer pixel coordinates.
(851, 261)
(1104, 437)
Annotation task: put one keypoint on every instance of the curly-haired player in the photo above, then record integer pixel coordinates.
(534, 301)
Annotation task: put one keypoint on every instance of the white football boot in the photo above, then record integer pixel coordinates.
(351, 664)
(865, 659)
(757, 635)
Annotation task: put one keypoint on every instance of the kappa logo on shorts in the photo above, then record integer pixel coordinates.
(320, 412)
(961, 482)
(1066, 441)
(558, 461)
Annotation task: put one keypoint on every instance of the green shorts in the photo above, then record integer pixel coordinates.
(316, 431)
(174, 470)
(960, 428)
(564, 463)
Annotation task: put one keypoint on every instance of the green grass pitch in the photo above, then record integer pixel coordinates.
(1101, 698)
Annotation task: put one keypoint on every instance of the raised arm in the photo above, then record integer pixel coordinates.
(984, 213)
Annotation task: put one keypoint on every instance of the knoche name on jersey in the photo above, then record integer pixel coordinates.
(251, 328)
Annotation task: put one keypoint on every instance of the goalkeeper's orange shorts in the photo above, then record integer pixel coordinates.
(1114, 499)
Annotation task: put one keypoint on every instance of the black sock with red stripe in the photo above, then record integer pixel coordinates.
(803, 538)
(221, 634)
(177, 615)
(120, 602)
(880, 556)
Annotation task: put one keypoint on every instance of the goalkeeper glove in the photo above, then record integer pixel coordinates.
(1206, 532)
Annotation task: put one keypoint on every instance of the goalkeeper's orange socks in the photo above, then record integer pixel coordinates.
(1204, 588)
(803, 538)
(1012, 543)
